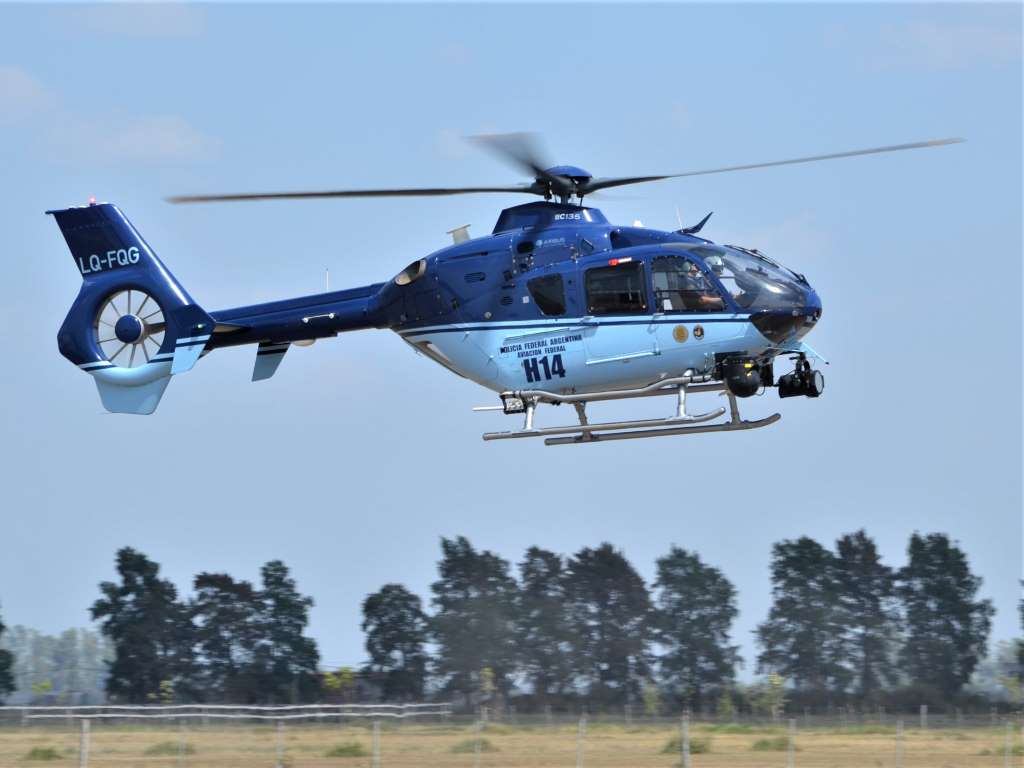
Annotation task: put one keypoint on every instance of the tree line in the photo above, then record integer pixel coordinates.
(843, 626)
(555, 630)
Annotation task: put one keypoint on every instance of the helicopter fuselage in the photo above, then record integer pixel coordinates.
(557, 298)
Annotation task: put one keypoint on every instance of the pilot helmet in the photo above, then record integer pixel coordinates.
(715, 263)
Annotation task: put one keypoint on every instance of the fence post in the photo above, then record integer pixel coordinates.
(280, 744)
(83, 744)
(899, 744)
(476, 739)
(924, 717)
(181, 744)
(627, 712)
(375, 760)
(791, 746)
(548, 715)
(581, 735)
(1007, 747)
(684, 739)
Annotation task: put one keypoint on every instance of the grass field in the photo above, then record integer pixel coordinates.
(503, 746)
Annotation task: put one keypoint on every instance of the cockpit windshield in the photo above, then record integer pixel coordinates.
(754, 281)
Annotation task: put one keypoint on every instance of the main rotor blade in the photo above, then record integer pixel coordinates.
(597, 184)
(416, 192)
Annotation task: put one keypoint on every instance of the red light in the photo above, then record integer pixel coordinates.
(613, 262)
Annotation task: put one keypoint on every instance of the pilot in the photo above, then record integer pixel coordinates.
(698, 295)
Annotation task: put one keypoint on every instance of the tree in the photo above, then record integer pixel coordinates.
(802, 638)
(285, 657)
(148, 627)
(946, 627)
(696, 606)
(6, 668)
(475, 617)
(227, 632)
(608, 611)
(867, 598)
(396, 631)
(543, 638)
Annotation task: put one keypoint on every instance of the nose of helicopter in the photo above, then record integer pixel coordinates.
(786, 325)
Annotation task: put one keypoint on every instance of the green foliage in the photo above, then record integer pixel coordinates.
(771, 744)
(769, 696)
(946, 628)
(348, 749)
(6, 666)
(249, 642)
(608, 612)
(396, 631)
(699, 745)
(651, 697)
(469, 746)
(799, 638)
(475, 617)
(542, 634)
(726, 707)
(47, 667)
(696, 606)
(165, 748)
(149, 628)
(869, 618)
(1016, 749)
(42, 754)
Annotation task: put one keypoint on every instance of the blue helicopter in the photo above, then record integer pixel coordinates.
(557, 306)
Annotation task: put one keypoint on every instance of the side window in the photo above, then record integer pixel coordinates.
(618, 289)
(548, 294)
(680, 286)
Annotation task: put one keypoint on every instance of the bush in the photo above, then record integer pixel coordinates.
(774, 744)
(699, 745)
(168, 748)
(348, 749)
(469, 746)
(43, 753)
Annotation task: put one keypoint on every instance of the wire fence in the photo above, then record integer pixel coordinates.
(409, 735)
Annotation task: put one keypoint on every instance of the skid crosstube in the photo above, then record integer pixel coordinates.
(681, 423)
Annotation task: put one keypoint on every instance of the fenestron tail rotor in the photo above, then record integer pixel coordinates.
(129, 328)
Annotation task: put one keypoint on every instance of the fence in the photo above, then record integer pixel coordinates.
(197, 736)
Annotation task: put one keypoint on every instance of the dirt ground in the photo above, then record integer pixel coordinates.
(503, 746)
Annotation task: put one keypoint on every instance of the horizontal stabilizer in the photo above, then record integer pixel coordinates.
(268, 358)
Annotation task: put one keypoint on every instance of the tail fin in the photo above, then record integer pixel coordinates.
(133, 325)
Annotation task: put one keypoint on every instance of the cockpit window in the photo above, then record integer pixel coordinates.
(548, 294)
(753, 281)
(680, 286)
(412, 273)
(617, 289)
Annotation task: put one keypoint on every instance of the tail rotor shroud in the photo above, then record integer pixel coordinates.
(130, 328)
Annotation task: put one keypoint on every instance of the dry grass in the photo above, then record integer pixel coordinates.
(539, 746)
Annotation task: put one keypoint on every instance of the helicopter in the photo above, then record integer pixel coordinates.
(556, 306)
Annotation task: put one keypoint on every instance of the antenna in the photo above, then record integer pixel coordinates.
(327, 278)
(679, 217)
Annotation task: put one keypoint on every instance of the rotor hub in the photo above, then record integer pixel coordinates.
(130, 329)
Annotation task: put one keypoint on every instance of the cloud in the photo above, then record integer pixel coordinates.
(147, 139)
(21, 96)
(140, 19)
(936, 47)
(75, 138)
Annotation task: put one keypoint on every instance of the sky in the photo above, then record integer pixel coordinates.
(354, 460)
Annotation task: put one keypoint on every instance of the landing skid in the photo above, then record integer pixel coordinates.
(682, 423)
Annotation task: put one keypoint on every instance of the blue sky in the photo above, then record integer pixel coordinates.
(358, 455)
